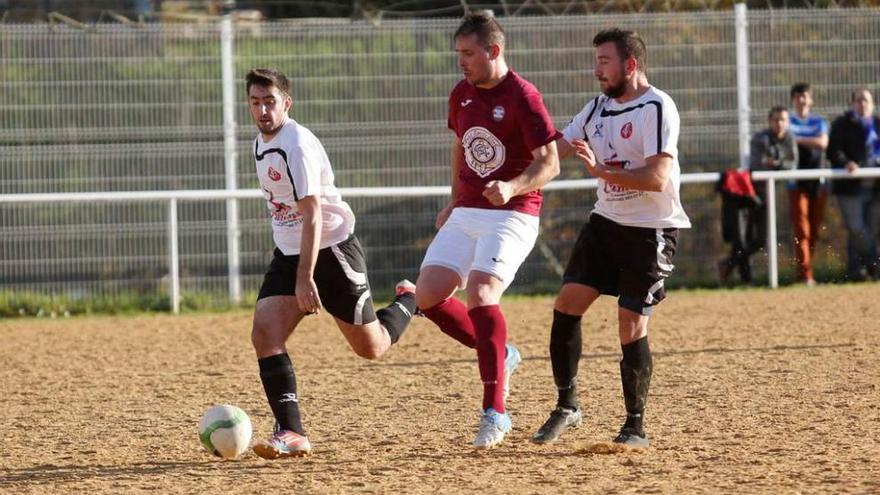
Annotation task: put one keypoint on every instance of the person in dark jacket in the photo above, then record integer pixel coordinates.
(854, 144)
(773, 148)
(739, 225)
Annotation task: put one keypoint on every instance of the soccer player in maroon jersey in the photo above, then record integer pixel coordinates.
(504, 151)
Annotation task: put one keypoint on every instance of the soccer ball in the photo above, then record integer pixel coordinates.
(225, 431)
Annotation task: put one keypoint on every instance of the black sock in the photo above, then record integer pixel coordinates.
(397, 315)
(565, 353)
(279, 382)
(635, 375)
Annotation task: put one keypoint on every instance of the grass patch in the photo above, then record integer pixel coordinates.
(30, 304)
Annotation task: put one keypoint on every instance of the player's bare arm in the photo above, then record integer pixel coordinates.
(542, 170)
(457, 164)
(652, 177)
(306, 290)
(564, 149)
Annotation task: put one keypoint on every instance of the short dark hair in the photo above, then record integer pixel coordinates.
(267, 78)
(628, 43)
(483, 24)
(860, 89)
(776, 109)
(800, 88)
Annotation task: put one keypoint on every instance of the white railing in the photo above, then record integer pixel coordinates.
(173, 197)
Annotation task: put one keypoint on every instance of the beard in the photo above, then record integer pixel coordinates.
(615, 91)
(272, 130)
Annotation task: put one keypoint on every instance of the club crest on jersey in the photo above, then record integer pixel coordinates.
(274, 174)
(498, 113)
(627, 130)
(483, 152)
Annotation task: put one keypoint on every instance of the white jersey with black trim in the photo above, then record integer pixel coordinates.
(624, 135)
(291, 166)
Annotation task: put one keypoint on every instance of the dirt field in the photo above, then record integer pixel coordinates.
(753, 392)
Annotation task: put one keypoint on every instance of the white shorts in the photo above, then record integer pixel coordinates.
(490, 241)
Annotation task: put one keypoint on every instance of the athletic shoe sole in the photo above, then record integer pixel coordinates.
(270, 452)
(632, 441)
(489, 446)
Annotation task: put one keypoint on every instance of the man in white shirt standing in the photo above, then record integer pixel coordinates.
(318, 261)
(628, 138)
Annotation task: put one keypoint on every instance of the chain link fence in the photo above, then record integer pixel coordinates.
(138, 108)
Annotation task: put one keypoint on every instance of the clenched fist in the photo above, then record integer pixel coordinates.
(498, 192)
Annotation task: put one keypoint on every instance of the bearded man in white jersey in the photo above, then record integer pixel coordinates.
(318, 261)
(628, 138)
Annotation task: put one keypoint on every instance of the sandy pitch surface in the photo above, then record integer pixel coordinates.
(754, 391)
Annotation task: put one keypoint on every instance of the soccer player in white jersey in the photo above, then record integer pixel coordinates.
(318, 261)
(627, 137)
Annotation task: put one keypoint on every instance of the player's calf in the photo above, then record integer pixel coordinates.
(635, 374)
(371, 340)
(396, 316)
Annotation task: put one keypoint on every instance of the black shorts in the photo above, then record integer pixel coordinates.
(630, 262)
(340, 275)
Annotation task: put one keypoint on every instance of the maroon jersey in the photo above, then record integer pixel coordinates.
(498, 128)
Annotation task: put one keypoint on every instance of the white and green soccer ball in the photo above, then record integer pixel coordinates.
(225, 431)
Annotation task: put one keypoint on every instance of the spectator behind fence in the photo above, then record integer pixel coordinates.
(739, 203)
(854, 144)
(807, 197)
(772, 148)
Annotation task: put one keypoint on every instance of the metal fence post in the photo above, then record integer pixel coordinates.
(742, 81)
(230, 148)
(772, 265)
(173, 256)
